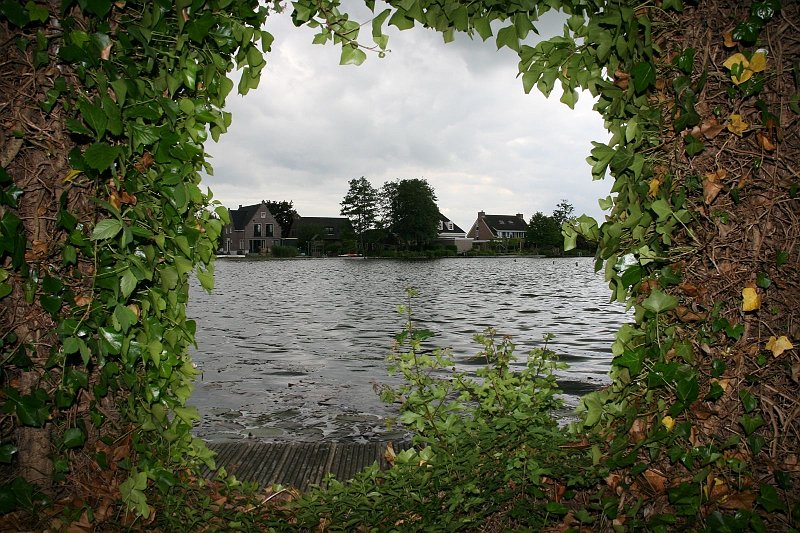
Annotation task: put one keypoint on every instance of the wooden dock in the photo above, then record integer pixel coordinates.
(299, 465)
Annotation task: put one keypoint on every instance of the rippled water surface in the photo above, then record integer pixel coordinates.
(290, 350)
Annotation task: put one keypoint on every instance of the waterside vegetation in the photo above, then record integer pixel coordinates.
(106, 108)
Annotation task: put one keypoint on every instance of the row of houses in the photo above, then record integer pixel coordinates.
(254, 230)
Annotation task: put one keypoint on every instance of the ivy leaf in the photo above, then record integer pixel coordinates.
(659, 301)
(770, 500)
(106, 229)
(751, 300)
(778, 345)
(101, 156)
(74, 437)
(644, 76)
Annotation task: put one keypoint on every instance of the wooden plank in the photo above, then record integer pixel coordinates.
(298, 464)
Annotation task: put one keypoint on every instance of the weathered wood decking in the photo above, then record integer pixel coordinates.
(299, 465)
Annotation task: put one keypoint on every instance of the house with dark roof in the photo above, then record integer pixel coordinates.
(450, 234)
(252, 230)
(494, 227)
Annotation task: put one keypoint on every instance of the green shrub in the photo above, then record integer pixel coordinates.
(284, 251)
(485, 447)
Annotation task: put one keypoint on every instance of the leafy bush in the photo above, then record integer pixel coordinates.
(284, 251)
(485, 448)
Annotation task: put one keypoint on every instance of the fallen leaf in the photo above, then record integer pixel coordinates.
(668, 422)
(736, 125)
(655, 183)
(740, 500)
(711, 188)
(105, 53)
(779, 345)
(389, 454)
(657, 481)
(687, 315)
(727, 39)
(738, 65)
(80, 300)
(765, 142)
(758, 61)
(750, 299)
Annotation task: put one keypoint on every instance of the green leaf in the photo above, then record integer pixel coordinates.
(143, 135)
(7, 452)
(685, 61)
(51, 304)
(644, 76)
(659, 301)
(127, 283)
(206, 279)
(483, 27)
(352, 55)
(749, 401)
(74, 437)
(94, 116)
(106, 229)
(751, 423)
(508, 37)
(693, 145)
(401, 21)
(101, 156)
(770, 500)
(630, 360)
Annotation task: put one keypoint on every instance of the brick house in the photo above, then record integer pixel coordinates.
(498, 227)
(252, 230)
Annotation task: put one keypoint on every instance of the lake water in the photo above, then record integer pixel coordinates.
(291, 349)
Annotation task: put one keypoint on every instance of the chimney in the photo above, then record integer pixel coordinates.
(481, 214)
(240, 206)
(519, 215)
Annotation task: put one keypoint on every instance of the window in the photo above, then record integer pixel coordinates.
(449, 226)
(241, 244)
(440, 226)
(268, 231)
(329, 230)
(256, 230)
(263, 214)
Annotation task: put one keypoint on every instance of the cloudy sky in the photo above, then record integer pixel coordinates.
(453, 114)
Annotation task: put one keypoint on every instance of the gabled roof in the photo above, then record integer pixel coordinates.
(240, 217)
(505, 223)
(445, 229)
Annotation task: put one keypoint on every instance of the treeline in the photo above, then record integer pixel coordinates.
(402, 214)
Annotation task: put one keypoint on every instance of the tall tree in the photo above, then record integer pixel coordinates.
(563, 212)
(284, 214)
(385, 198)
(414, 213)
(360, 205)
(544, 231)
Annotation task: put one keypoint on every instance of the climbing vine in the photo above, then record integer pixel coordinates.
(102, 219)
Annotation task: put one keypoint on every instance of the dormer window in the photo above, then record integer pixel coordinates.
(449, 226)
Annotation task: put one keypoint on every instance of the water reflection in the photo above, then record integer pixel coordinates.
(290, 350)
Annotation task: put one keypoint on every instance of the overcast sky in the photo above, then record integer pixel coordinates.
(454, 114)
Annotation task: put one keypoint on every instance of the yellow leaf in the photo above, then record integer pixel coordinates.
(779, 345)
(655, 183)
(72, 174)
(750, 299)
(736, 59)
(668, 422)
(758, 61)
(736, 125)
